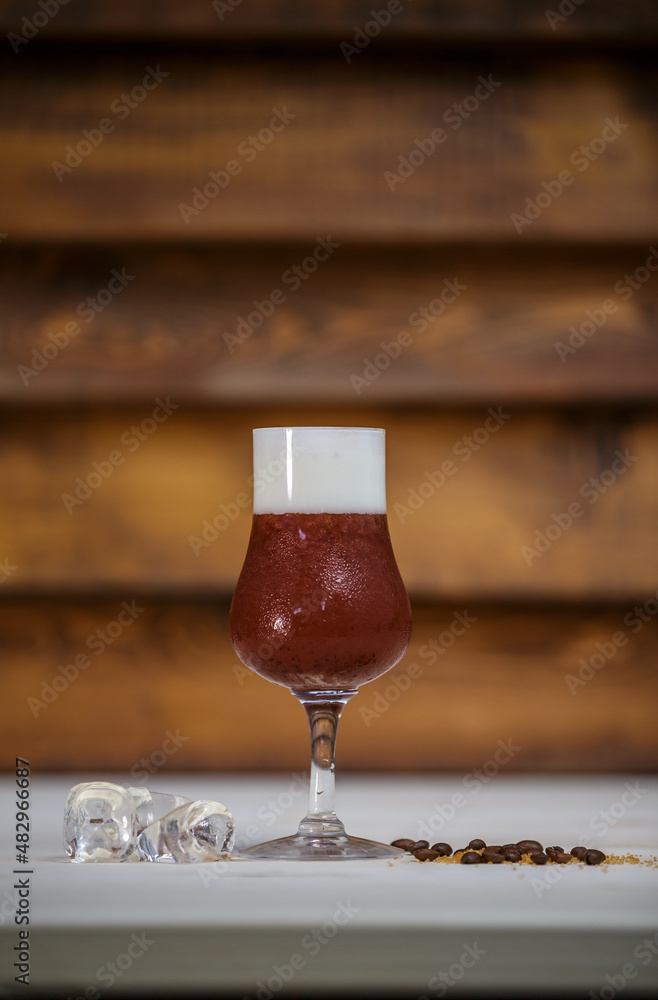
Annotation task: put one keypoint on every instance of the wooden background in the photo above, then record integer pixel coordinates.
(555, 660)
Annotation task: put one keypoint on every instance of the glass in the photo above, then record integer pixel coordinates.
(320, 606)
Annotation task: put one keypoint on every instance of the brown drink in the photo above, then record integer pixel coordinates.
(320, 604)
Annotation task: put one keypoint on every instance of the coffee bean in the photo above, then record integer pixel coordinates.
(445, 850)
(424, 855)
(470, 858)
(492, 857)
(478, 852)
(529, 847)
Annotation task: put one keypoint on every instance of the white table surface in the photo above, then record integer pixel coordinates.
(234, 927)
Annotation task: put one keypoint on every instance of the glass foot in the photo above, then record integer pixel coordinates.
(335, 848)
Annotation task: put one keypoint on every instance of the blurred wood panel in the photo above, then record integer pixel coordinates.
(173, 671)
(201, 19)
(325, 171)
(508, 336)
(478, 500)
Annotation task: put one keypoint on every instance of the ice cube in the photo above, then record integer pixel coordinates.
(100, 822)
(102, 819)
(199, 831)
(153, 805)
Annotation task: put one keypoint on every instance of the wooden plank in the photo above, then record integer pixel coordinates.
(508, 336)
(200, 19)
(96, 500)
(332, 168)
(173, 671)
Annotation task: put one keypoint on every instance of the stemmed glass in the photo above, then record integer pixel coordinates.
(320, 606)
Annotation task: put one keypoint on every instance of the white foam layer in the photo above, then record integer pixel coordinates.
(319, 470)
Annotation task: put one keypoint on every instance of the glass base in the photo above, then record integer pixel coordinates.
(338, 847)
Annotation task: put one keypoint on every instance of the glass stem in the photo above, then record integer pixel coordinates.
(323, 710)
